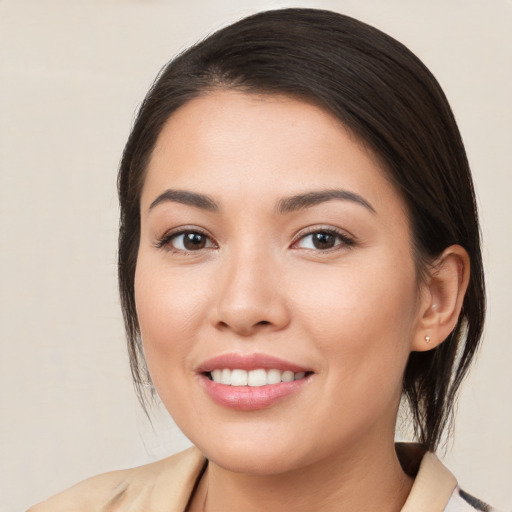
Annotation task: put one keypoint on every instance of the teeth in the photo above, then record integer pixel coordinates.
(287, 376)
(254, 378)
(238, 378)
(273, 376)
(225, 377)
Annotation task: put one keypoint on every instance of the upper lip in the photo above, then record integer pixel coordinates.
(249, 362)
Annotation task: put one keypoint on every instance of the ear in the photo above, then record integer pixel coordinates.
(442, 298)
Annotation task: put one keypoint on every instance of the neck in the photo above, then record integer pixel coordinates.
(348, 481)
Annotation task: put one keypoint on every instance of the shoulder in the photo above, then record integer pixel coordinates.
(166, 483)
(435, 487)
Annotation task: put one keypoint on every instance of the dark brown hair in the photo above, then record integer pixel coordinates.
(383, 93)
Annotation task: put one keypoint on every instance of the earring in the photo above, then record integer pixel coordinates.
(427, 339)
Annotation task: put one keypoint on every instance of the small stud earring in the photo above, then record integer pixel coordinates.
(427, 339)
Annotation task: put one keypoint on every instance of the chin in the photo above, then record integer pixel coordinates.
(255, 462)
(258, 456)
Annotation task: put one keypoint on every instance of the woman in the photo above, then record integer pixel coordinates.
(299, 249)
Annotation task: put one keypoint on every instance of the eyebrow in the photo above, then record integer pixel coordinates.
(283, 206)
(189, 198)
(309, 199)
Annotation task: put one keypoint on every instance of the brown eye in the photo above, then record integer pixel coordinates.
(193, 241)
(323, 240)
(190, 241)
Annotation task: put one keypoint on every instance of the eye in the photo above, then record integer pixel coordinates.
(186, 241)
(323, 240)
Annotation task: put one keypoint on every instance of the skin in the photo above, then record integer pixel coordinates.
(351, 313)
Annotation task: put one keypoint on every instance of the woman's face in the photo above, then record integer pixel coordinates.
(274, 251)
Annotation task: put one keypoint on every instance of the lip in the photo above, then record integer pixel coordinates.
(247, 398)
(250, 362)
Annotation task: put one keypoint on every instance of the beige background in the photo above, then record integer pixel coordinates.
(71, 75)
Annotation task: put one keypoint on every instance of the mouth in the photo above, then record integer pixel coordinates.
(254, 378)
(251, 382)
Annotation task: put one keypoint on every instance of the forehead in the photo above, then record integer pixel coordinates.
(228, 141)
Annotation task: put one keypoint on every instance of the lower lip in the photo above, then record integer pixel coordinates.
(248, 398)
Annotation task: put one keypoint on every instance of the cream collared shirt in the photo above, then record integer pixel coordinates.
(167, 485)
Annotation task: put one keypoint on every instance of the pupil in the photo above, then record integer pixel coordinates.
(323, 240)
(193, 241)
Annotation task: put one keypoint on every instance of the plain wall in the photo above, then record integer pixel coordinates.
(72, 74)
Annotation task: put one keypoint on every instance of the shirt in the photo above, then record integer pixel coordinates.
(167, 485)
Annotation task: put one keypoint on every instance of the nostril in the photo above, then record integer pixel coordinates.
(247, 319)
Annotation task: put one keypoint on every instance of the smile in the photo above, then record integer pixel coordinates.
(254, 378)
(251, 382)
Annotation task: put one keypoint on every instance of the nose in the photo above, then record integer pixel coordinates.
(250, 297)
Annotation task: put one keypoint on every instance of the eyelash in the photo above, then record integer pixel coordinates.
(345, 240)
(166, 239)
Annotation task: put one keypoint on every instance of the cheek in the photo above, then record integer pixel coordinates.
(170, 311)
(363, 326)
(363, 319)
(170, 308)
